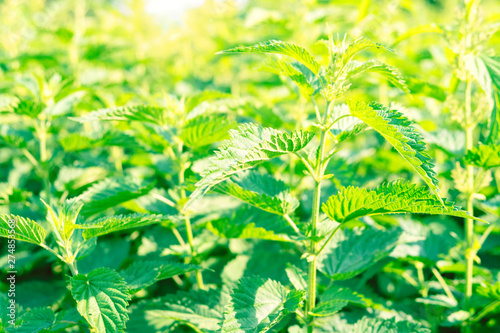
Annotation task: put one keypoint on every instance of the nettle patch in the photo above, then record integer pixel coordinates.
(326, 244)
(317, 210)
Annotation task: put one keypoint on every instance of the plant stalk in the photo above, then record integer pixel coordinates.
(187, 222)
(443, 283)
(292, 224)
(469, 223)
(41, 130)
(313, 246)
(72, 268)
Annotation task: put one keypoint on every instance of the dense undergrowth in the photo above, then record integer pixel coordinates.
(267, 166)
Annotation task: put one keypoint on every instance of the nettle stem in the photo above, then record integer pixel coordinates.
(313, 245)
(469, 223)
(187, 220)
(68, 257)
(42, 130)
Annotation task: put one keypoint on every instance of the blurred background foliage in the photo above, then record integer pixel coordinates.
(131, 52)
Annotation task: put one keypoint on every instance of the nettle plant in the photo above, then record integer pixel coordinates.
(101, 295)
(475, 96)
(328, 241)
(174, 132)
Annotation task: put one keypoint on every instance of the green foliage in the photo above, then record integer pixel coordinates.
(390, 198)
(261, 191)
(347, 52)
(378, 325)
(142, 113)
(110, 193)
(391, 73)
(484, 156)
(200, 309)
(203, 131)
(493, 66)
(288, 49)
(109, 224)
(297, 277)
(399, 132)
(197, 99)
(351, 252)
(141, 273)
(257, 305)
(335, 298)
(250, 223)
(43, 320)
(25, 229)
(102, 299)
(77, 142)
(298, 74)
(486, 71)
(157, 186)
(248, 146)
(28, 107)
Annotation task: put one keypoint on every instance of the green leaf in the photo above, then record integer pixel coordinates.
(111, 192)
(359, 45)
(257, 305)
(486, 71)
(223, 228)
(420, 29)
(75, 178)
(249, 222)
(345, 127)
(203, 130)
(312, 79)
(64, 105)
(489, 290)
(34, 293)
(328, 308)
(248, 146)
(296, 276)
(14, 138)
(142, 113)
(109, 224)
(198, 308)
(494, 136)
(195, 100)
(78, 142)
(102, 299)
(282, 67)
(379, 325)
(438, 300)
(427, 89)
(25, 229)
(484, 156)
(397, 129)
(261, 191)
(391, 198)
(391, 73)
(334, 299)
(43, 320)
(143, 273)
(351, 252)
(275, 46)
(6, 305)
(65, 220)
(109, 252)
(28, 107)
(10, 195)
